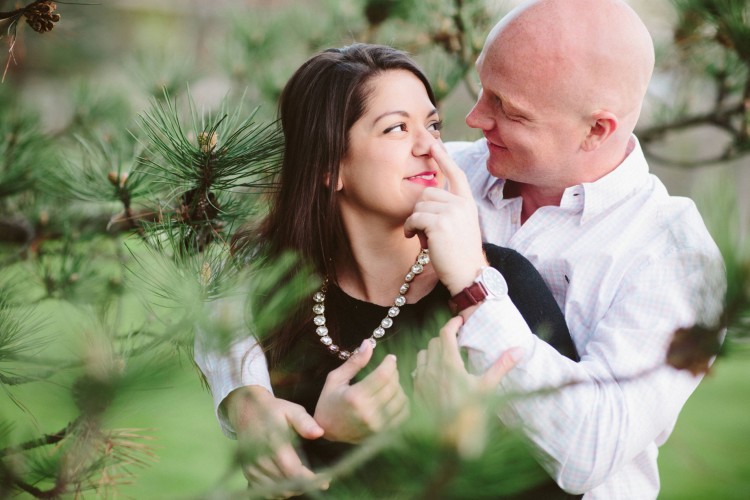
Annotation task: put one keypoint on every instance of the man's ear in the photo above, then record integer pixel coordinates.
(339, 184)
(603, 125)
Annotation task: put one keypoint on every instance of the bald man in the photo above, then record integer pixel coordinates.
(561, 178)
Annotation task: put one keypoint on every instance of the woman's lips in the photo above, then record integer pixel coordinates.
(424, 178)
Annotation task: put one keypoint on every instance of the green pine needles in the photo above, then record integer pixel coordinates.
(206, 168)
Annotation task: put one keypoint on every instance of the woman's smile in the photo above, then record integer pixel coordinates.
(428, 179)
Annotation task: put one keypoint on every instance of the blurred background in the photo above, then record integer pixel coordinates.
(78, 80)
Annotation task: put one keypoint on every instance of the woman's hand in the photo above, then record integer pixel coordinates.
(456, 398)
(265, 427)
(449, 222)
(351, 413)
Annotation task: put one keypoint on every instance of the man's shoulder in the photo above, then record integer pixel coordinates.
(652, 227)
(679, 217)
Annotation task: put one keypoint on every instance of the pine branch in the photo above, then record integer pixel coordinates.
(718, 117)
(45, 440)
(22, 151)
(707, 32)
(220, 155)
(39, 14)
(53, 492)
(17, 12)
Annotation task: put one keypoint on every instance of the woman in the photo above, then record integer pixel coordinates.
(362, 147)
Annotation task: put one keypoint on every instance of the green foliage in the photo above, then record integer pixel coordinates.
(712, 42)
(222, 152)
(22, 149)
(19, 339)
(278, 284)
(104, 170)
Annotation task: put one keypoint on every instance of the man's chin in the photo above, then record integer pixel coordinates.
(496, 170)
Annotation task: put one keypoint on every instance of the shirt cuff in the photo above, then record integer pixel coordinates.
(244, 364)
(494, 327)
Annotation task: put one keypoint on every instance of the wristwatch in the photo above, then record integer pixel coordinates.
(489, 283)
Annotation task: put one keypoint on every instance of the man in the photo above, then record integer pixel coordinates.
(562, 86)
(560, 178)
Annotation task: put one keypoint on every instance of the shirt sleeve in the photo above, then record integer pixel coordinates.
(238, 364)
(621, 396)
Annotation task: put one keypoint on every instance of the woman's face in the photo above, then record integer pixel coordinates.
(388, 163)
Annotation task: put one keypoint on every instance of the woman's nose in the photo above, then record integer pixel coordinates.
(423, 142)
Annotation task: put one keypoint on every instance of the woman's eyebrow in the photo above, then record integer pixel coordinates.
(388, 113)
(401, 113)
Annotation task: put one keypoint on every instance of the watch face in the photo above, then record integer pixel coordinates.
(494, 282)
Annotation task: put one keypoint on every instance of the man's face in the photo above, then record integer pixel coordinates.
(533, 136)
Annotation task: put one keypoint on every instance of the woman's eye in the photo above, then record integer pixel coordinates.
(436, 126)
(401, 127)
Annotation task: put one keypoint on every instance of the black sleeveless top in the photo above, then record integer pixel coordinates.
(301, 374)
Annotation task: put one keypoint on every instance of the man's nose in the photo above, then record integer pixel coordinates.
(479, 117)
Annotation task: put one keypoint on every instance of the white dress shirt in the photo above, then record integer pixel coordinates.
(628, 265)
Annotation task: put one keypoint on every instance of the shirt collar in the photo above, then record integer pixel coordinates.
(593, 198)
(590, 198)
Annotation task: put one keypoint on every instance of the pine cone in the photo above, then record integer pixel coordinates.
(41, 16)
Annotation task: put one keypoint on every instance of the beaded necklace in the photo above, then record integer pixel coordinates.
(319, 309)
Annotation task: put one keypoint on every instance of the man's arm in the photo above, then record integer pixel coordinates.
(621, 396)
(229, 367)
(245, 406)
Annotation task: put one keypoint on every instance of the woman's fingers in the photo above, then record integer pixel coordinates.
(457, 182)
(352, 366)
(384, 374)
(381, 395)
(395, 410)
(350, 413)
(449, 342)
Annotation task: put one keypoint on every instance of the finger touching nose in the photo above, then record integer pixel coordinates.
(424, 142)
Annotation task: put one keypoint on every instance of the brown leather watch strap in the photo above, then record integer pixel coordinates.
(469, 296)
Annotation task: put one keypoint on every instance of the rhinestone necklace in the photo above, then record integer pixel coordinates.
(319, 309)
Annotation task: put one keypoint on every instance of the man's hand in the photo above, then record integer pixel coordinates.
(456, 398)
(449, 222)
(265, 427)
(350, 413)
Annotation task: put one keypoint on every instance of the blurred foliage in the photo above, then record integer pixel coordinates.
(121, 188)
(712, 49)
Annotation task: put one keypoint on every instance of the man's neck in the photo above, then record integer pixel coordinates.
(533, 197)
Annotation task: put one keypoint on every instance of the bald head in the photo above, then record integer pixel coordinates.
(584, 54)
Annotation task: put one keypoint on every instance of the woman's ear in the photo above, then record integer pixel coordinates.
(339, 184)
(603, 126)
